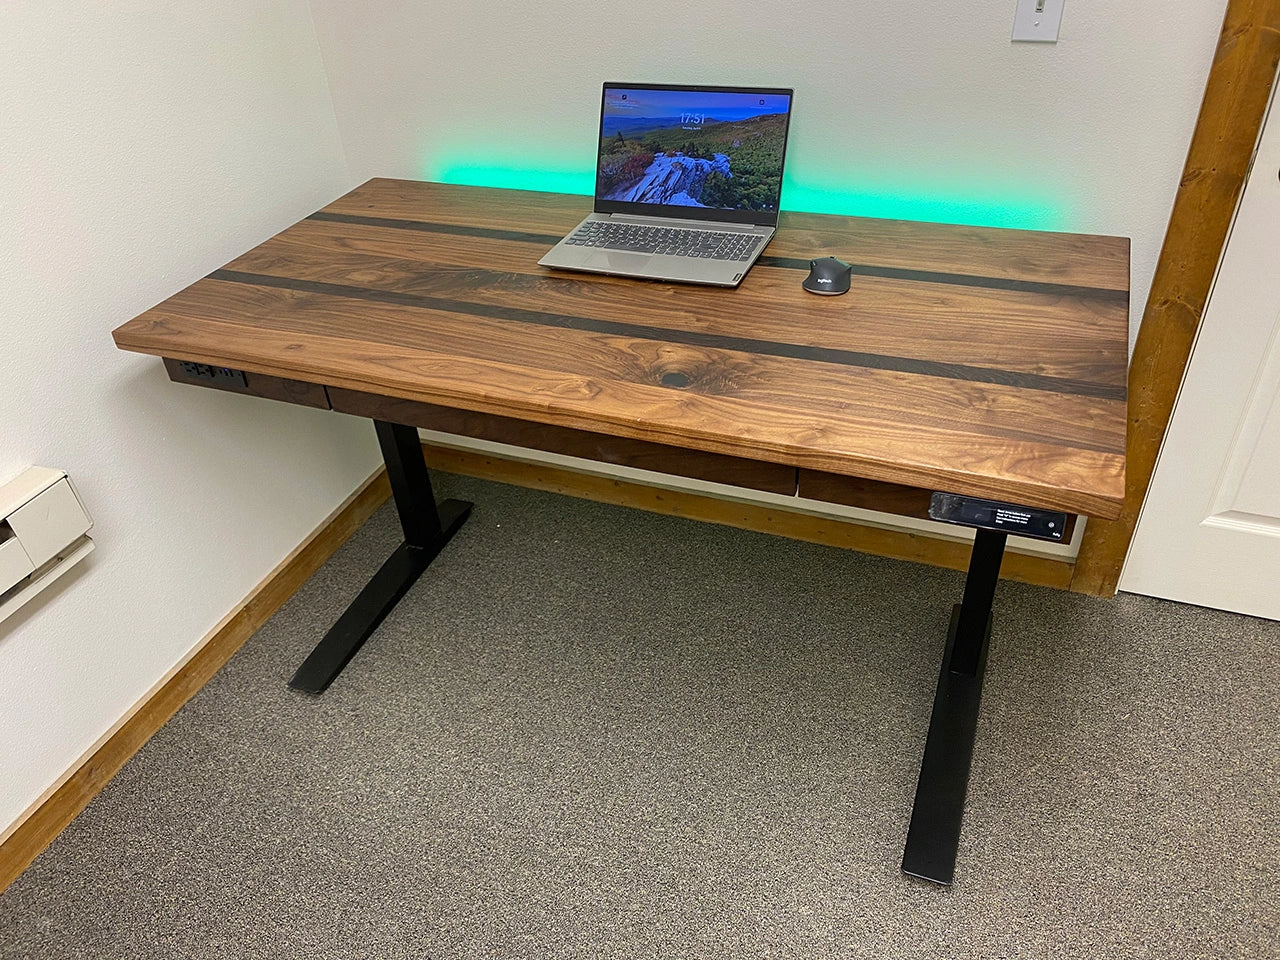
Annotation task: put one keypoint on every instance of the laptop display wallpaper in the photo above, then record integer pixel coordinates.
(692, 148)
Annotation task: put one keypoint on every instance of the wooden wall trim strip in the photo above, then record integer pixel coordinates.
(1235, 101)
(48, 816)
(760, 518)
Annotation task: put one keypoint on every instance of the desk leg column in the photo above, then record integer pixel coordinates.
(426, 530)
(934, 834)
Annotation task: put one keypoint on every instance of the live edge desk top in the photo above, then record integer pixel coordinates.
(978, 361)
(988, 363)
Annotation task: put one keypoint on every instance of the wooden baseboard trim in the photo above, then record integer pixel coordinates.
(761, 518)
(60, 804)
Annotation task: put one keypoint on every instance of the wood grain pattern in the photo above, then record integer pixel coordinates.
(1077, 259)
(734, 471)
(897, 318)
(1231, 114)
(868, 495)
(971, 360)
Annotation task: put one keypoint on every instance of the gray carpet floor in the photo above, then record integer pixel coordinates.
(595, 732)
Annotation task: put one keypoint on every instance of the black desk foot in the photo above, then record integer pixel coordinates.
(427, 528)
(371, 606)
(934, 834)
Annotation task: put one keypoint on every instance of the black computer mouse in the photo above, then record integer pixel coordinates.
(828, 275)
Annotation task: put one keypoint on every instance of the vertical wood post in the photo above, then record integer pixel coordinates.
(1231, 114)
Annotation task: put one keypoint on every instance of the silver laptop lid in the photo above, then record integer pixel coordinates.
(692, 153)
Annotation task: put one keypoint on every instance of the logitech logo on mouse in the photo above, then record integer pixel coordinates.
(828, 275)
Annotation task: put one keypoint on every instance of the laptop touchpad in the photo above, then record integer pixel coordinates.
(618, 260)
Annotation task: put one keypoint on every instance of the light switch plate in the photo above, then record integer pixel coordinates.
(1037, 21)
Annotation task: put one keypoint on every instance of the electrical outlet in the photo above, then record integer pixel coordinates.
(220, 375)
(1037, 21)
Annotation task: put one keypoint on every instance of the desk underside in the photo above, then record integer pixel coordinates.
(972, 360)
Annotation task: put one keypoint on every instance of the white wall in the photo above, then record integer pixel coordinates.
(927, 113)
(145, 143)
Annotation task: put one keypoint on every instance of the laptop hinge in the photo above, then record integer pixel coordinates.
(688, 224)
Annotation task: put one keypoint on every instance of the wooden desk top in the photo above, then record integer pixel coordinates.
(973, 360)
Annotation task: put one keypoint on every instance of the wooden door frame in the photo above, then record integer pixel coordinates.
(1231, 114)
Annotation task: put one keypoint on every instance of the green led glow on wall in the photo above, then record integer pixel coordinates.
(953, 204)
(497, 175)
(928, 203)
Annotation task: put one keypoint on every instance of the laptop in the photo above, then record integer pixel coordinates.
(688, 181)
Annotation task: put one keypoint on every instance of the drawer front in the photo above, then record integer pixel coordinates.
(867, 494)
(641, 454)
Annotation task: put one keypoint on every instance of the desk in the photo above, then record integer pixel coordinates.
(975, 361)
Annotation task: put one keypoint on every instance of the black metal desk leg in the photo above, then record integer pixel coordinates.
(934, 833)
(426, 531)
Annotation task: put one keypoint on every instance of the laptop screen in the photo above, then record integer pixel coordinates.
(700, 153)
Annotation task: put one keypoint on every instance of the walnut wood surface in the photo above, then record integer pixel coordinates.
(867, 494)
(972, 360)
(735, 471)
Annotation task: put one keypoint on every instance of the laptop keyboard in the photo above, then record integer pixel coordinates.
(638, 238)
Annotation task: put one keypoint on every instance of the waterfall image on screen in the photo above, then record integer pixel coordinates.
(692, 149)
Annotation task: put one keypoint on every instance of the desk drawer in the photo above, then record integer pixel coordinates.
(251, 384)
(876, 495)
(713, 467)
(867, 494)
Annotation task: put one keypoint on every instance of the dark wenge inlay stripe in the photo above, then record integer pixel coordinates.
(454, 229)
(1105, 294)
(787, 263)
(875, 361)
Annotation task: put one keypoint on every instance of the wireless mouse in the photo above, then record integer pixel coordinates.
(828, 275)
